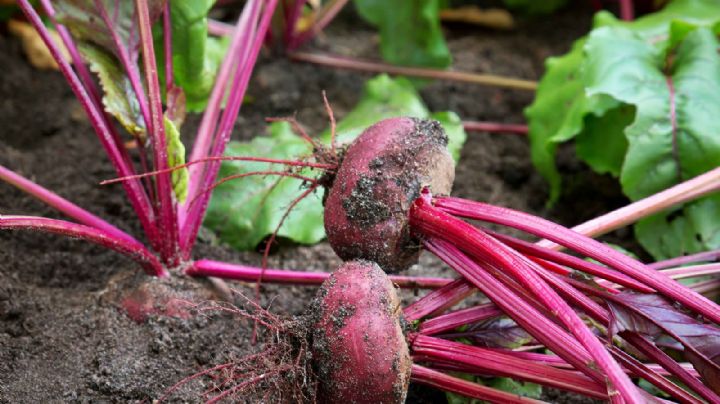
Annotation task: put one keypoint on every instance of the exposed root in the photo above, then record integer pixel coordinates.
(279, 372)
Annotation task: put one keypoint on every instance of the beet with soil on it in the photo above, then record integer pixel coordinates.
(359, 350)
(382, 173)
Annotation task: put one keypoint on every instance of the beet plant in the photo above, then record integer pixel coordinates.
(115, 40)
(605, 322)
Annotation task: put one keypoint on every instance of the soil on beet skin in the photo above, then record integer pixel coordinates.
(62, 335)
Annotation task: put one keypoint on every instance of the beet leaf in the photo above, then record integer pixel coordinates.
(653, 114)
(109, 39)
(655, 317)
(176, 157)
(410, 32)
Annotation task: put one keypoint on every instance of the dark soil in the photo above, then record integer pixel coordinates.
(62, 337)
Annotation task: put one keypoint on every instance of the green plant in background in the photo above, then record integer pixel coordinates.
(410, 35)
(641, 101)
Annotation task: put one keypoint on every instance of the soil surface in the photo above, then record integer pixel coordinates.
(62, 336)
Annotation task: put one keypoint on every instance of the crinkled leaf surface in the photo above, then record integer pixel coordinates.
(196, 55)
(410, 32)
(176, 157)
(245, 211)
(103, 21)
(653, 316)
(118, 96)
(641, 100)
(107, 29)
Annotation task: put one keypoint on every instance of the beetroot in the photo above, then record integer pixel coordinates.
(359, 349)
(383, 172)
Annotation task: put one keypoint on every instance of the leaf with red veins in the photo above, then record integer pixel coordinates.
(655, 317)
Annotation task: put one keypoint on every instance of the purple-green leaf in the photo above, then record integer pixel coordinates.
(655, 317)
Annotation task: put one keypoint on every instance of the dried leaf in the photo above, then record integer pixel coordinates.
(493, 17)
(37, 53)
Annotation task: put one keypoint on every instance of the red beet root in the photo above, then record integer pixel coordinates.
(382, 173)
(359, 350)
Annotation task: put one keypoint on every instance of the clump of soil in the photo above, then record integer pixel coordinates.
(62, 334)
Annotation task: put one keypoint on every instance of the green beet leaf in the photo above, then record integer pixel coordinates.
(196, 55)
(245, 211)
(119, 98)
(641, 100)
(176, 157)
(410, 32)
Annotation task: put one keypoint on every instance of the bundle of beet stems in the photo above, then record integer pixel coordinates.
(387, 203)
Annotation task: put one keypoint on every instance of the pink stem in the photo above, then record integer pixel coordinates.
(167, 48)
(219, 28)
(250, 274)
(706, 256)
(133, 250)
(128, 65)
(689, 190)
(639, 369)
(439, 300)
(706, 287)
(456, 385)
(136, 194)
(166, 205)
(62, 205)
(497, 363)
(691, 271)
(227, 121)
(428, 220)
(203, 141)
(326, 15)
(292, 16)
(571, 261)
(494, 127)
(89, 84)
(583, 244)
(627, 11)
(648, 349)
(446, 322)
(525, 315)
(342, 62)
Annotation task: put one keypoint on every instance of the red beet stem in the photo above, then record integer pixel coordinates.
(585, 245)
(456, 385)
(432, 222)
(250, 274)
(446, 322)
(497, 363)
(133, 250)
(439, 300)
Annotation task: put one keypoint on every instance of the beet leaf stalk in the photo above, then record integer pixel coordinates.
(585, 245)
(132, 249)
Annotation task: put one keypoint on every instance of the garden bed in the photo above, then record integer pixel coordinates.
(62, 338)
